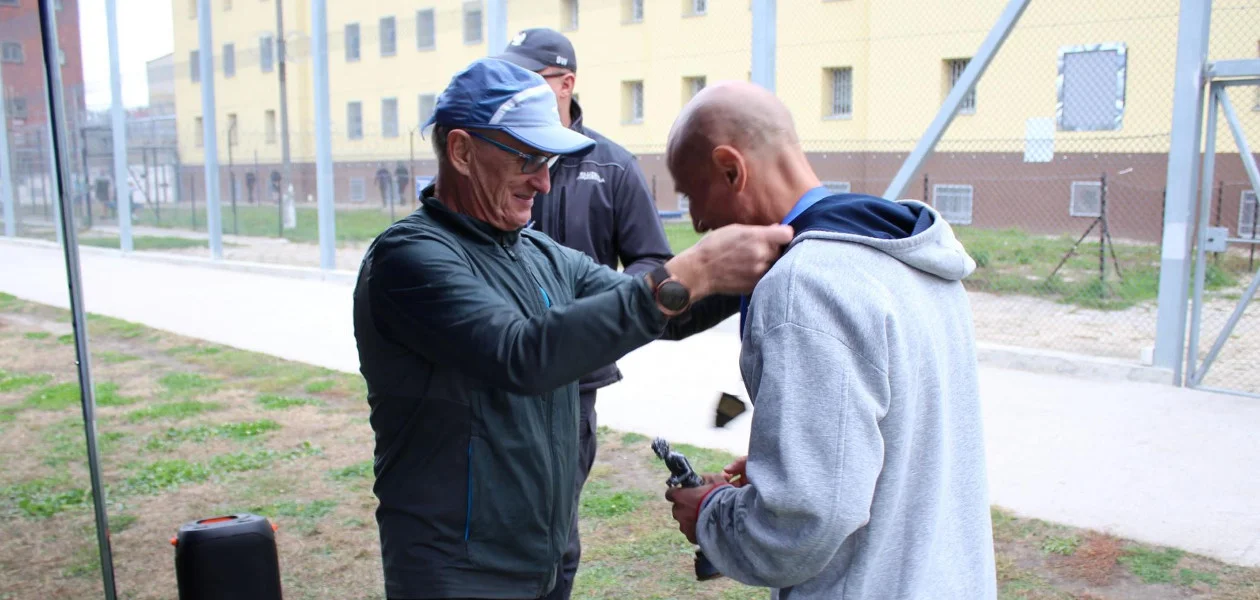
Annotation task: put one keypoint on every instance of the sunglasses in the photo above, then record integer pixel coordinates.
(533, 162)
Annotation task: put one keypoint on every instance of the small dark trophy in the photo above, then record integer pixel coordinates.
(682, 475)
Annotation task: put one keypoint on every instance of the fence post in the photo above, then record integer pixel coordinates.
(6, 171)
(1194, 21)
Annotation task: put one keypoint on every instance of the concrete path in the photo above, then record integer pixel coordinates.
(1145, 461)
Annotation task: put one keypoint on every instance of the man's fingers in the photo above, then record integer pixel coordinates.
(779, 234)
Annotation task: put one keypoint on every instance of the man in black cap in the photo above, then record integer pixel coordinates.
(599, 204)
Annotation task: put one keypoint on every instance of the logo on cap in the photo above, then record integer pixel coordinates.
(562, 61)
(519, 39)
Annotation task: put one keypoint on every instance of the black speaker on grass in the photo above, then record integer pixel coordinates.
(231, 557)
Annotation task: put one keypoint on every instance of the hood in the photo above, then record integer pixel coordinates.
(908, 230)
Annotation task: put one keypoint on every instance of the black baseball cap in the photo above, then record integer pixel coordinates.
(539, 48)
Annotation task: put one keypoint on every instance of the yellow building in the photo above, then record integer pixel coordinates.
(1081, 88)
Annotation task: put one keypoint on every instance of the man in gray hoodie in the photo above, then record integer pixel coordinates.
(865, 476)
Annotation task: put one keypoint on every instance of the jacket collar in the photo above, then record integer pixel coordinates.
(575, 117)
(465, 225)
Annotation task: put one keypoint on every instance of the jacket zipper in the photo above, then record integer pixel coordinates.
(561, 234)
(551, 408)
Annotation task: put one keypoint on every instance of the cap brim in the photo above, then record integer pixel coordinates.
(554, 140)
(524, 62)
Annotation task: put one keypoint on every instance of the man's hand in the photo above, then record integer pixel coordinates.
(730, 260)
(687, 504)
(737, 469)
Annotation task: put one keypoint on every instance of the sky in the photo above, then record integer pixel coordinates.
(145, 32)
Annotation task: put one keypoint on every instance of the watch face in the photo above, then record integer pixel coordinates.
(674, 295)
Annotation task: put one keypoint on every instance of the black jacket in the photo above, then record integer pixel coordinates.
(600, 204)
(471, 341)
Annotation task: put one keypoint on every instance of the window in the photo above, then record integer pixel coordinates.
(1091, 87)
(8, 2)
(632, 101)
(358, 189)
(389, 36)
(838, 187)
(267, 53)
(953, 72)
(569, 14)
(840, 92)
(953, 202)
(227, 5)
(695, 8)
(692, 86)
(229, 60)
(352, 42)
(269, 124)
(425, 27)
(11, 52)
(427, 102)
(684, 203)
(231, 129)
(472, 22)
(194, 66)
(354, 120)
(199, 132)
(1248, 216)
(1086, 199)
(389, 117)
(16, 108)
(192, 9)
(633, 11)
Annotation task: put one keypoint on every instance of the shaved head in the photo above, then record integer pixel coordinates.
(734, 152)
(733, 113)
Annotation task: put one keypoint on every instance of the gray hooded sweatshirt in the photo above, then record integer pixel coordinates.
(866, 465)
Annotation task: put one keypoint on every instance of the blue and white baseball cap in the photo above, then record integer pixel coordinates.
(496, 94)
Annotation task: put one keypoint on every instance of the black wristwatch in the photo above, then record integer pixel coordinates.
(669, 292)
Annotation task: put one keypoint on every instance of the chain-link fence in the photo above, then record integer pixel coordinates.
(1052, 173)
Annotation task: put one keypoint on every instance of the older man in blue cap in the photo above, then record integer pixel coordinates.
(473, 331)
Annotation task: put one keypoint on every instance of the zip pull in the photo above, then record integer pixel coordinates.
(508, 250)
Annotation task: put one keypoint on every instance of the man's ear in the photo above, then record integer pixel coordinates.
(459, 151)
(730, 163)
(567, 84)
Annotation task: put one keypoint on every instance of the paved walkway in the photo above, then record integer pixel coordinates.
(1150, 462)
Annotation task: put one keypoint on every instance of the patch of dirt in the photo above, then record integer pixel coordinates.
(1094, 561)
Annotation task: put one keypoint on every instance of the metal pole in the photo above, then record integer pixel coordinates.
(764, 16)
(281, 54)
(214, 224)
(231, 176)
(87, 182)
(119, 124)
(1102, 236)
(1200, 276)
(966, 82)
(1183, 180)
(52, 83)
(496, 26)
(323, 136)
(6, 171)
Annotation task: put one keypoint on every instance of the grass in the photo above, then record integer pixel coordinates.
(321, 386)
(43, 498)
(357, 225)
(66, 395)
(114, 358)
(145, 242)
(274, 402)
(13, 382)
(173, 411)
(37, 335)
(1150, 565)
(599, 500)
(187, 384)
(1065, 546)
(703, 460)
(172, 437)
(360, 470)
